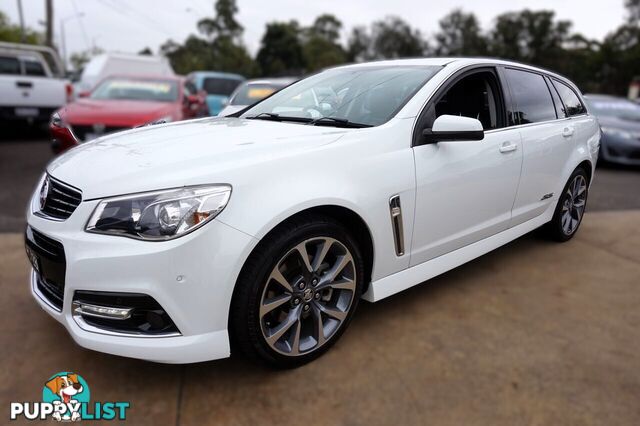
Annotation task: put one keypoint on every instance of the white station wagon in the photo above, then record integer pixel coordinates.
(260, 232)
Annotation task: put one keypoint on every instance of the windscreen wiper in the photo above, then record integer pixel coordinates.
(277, 117)
(337, 122)
(265, 116)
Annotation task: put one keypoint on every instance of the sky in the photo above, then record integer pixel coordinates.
(131, 25)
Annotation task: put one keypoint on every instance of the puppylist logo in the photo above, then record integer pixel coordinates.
(66, 398)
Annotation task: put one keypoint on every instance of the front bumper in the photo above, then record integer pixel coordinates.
(191, 277)
(41, 114)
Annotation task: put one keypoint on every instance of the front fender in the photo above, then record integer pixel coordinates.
(336, 174)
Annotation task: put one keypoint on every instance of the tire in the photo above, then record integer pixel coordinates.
(278, 294)
(570, 209)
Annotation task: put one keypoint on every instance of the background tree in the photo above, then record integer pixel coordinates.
(193, 55)
(11, 32)
(281, 51)
(232, 57)
(620, 59)
(327, 27)
(321, 43)
(359, 45)
(530, 36)
(393, 37)
(220, 50)
(633, 8)
(460, 35)
(224, 24)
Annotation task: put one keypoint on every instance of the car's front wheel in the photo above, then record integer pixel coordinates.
(297, 292)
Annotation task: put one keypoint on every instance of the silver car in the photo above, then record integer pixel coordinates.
(252, 91)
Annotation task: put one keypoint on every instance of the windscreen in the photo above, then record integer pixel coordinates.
(249, 94)
(366, 95)
(137, 90)
(615, 108)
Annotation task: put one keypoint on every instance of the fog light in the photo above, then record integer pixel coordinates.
(107, 312)
(122, 314)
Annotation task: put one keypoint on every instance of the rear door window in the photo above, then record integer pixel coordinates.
(572, 103)
(531, 96)
(9, 65)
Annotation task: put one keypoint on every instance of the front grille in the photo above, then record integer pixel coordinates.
(61, 199)
(85, 133)
(635, 155)
(52, 292)
(49, 262)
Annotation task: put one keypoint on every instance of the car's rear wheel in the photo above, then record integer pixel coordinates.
(297, 292)
(571, 207)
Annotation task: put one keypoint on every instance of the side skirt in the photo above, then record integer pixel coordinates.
(418, 274)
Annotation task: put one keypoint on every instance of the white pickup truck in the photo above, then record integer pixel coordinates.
(32, 83)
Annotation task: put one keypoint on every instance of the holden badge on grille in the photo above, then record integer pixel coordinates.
(44, 192)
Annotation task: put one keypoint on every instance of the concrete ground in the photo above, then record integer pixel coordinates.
(534, 333)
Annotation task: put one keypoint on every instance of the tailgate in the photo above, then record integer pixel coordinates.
(27, 91)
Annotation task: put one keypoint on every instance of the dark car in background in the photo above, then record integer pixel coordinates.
(124, 102)
(620, 122)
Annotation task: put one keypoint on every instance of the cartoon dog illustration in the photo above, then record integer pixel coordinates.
(66, 387)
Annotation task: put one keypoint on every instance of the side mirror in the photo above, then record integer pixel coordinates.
(84, 94)
(453, 128)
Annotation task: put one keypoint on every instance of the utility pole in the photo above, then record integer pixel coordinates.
(63, 45)
(22, 33)
(49, 22)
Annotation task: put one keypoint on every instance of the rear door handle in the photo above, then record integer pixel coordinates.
(508, 147)
(24, 84)
(567, 132)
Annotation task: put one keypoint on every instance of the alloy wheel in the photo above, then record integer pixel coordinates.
(574, 204)
(307, 296)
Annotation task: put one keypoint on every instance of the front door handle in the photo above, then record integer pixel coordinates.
(508, 147)
(567, 132)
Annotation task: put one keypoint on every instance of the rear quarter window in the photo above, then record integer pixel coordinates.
(571, 101)
(9, 65)
(533, 102)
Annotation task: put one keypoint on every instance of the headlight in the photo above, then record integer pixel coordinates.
(159, 215)
(617, 132)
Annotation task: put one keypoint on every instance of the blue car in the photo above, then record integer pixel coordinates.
(218, 85)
